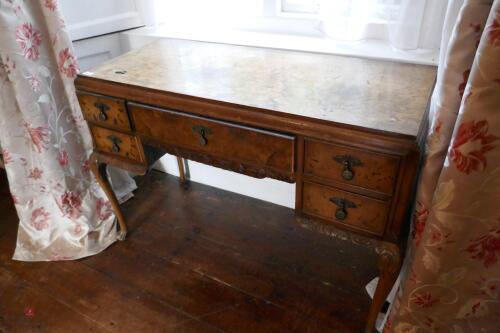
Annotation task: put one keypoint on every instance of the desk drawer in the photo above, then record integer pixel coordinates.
(265, 151)
(104, 111)
(346, 208)
(351, 166)
(116, 143)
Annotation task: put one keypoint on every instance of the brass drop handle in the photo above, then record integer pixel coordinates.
(102, 111)
(343, 204)
(115, 143)
(203, 132)
(348, 163)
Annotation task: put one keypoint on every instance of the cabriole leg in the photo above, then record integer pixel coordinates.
(389, 265)
(99, 170)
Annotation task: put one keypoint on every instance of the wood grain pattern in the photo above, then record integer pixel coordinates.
(127, 146)
(369, 215)
(345, 90)
(352, 128)
(188, 267)
(104, 111)
(99, 169)
(400, 216)
(376, 171)
(376, 140)
(389, 266)
(259, 149)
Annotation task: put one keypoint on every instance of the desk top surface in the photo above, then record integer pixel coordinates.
(373, 94)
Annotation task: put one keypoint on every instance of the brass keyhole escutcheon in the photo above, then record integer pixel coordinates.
(103, 116)
(115, 143)
(115, 148)
(343, 204)
(348, 162)
(347, 172)
(203, 133)
(102, 111)
(340, 214)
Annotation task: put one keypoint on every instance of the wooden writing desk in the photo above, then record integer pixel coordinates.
(345, 130)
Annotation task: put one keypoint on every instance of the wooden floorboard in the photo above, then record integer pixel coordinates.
(25, 308)
(118, 307)
(196, 260)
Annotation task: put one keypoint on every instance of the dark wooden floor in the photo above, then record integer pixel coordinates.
(199, 260)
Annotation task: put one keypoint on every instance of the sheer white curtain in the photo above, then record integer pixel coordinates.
(419, 24)
(406, 24)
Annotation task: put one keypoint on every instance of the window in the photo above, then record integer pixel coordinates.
(385, 10)
(339, 19)
(361, 27)
(345, 19)
(298, 8)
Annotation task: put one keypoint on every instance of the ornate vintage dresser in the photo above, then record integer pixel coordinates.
(345, 130)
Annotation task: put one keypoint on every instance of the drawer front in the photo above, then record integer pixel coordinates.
(345, 208)
(352, 166)
(257, 148)
(104, 111)
(116, 143)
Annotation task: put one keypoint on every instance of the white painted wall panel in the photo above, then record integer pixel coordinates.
(93, 51)
(90, 18)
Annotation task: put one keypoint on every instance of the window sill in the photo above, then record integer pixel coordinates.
(373, 49)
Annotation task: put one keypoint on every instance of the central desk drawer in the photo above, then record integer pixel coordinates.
(259, 149)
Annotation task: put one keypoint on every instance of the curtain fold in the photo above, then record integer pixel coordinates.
(451, 278)
(405, 24)
(63, 212)
(419, 24)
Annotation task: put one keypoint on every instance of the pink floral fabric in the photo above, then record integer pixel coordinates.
(45, 142)
(452, 277)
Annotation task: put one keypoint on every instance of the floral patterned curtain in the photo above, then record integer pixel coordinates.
(452, 280)
(45, 142)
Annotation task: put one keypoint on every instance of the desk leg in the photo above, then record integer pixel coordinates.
(389, 265)
(99, 170)
(182, 172)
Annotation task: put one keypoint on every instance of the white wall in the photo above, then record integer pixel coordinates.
(93, 25)
(90, 18)
(93, 51)
(271, 190)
